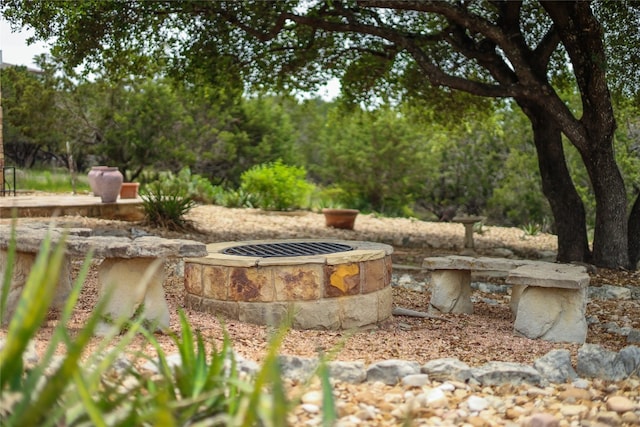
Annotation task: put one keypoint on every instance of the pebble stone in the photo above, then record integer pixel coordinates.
(452, 403)
(620, 404)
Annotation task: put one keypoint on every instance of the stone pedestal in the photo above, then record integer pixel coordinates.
(451, 292)
(468, 222)
(516, 292)
(129, 285)
(552, 314)
(22, 266)
(552, 301)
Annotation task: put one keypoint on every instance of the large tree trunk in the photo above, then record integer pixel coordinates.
(581, 36)
(557, 186)
(634, 234)
(610, 245)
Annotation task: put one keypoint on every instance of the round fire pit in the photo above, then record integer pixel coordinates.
(312, 284)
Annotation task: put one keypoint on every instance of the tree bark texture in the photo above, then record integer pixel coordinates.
(634, 234)
(610, 245)
(557, 186)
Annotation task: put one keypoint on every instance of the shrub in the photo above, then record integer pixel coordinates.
(237, 199)
(277, 186)
(194, 186)
(203, 389)
(165, 205)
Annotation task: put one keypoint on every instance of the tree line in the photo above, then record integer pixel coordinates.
(400, 160)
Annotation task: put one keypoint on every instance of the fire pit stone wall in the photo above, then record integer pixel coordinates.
(341, 290)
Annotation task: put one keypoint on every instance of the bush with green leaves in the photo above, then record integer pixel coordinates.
(106, 389)
(277, 186)
(238, 198)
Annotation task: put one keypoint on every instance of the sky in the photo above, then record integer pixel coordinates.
(14, 46)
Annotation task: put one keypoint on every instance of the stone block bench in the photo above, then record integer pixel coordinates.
(548, 299)
(131, 272)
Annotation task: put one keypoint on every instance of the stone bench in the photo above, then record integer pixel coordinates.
(548, 299)
(131, 272)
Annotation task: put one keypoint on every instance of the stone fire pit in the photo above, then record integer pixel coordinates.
(313, 284)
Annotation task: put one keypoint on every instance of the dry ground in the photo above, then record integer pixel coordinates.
(484, 336)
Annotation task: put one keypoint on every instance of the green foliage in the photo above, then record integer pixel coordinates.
(51, 181)
(141, 126)
(165, 204)
(45, 393)
(331, 197)
(196, 187)
(204, 388)
(376, 157)
(31, 125)
(203, 385)
(237, 198)
(230, 136)
(531, 229)
(277, 186)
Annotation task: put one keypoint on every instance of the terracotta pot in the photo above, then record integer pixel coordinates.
(108, 183)
(95, 170)
(129, 190)
(340, 218)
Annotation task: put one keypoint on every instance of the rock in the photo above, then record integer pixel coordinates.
(498, 373)
(406, 281)
(634, 336)
(596, 362)
(555, 366)
(349, 372)
(574, 410)
(436, 398)
(574, 394)
(477, 421)
(477, 404)
(246, 366)
(297, 368)
(541, 420)
(552, 314)
(629, 358)
(391, 371)
(310, 408)
(630, 418)
(581, 383)
(549, 256)
(314, 397)
(448, 368)
(613, 328)
(609, 418)
(415, 380)
(608, 292)
(620, 404)
(502, 253)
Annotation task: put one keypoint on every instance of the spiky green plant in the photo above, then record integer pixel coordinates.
(165, 206)
(204, 389)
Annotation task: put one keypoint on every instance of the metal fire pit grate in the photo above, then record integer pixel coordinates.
(270, 250)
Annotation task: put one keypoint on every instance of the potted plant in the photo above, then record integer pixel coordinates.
(340, 217)
(129, 190)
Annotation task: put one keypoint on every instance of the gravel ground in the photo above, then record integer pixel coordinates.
(487, 335)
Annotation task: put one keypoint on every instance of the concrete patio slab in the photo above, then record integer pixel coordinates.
(36, 205)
